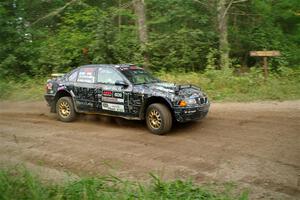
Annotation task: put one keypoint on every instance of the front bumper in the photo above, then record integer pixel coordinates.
(186, 114)
(50, 100)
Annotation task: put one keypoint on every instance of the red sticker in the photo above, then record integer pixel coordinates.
(107, 93)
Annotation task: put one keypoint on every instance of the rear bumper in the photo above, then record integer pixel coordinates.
(191, 113)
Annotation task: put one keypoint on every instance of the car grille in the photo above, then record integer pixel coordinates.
(202, 100)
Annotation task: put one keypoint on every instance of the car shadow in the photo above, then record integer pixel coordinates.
(184, 128)
(136, 125)
(113, 121)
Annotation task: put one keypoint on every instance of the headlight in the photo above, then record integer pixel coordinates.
(191, 101)
(185, 102)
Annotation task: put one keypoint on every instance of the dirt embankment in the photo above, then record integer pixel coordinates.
(256, 145)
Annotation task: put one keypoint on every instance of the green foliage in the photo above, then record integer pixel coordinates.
(41, 37)
(180, 38)
(25, 89)
(220, 85)
(266, 25)
(21, 184)
(88, 29)
(186, 50)
(225, 85)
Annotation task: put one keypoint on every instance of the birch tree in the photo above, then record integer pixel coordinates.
(140, 11)
(222, 9)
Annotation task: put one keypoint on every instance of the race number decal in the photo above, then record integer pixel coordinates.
(118, 95)
(112, 97)
(113, 107)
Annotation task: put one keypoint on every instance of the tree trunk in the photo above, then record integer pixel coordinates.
(223, 33)
(140, 11)
(119, 18)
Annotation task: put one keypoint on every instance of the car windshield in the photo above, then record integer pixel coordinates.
(138, 76)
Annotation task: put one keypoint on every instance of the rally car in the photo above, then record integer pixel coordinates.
(126, 91)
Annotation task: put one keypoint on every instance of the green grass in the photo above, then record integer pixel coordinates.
(25, 90)
(224, 85)
(220, 85)
(19, 183)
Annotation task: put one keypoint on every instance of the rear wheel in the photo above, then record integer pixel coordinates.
(158, 118)
(65, 109)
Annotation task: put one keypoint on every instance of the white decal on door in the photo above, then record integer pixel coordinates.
(113, 100)
(113, 107)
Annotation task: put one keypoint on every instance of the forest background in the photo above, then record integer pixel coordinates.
(203, 42)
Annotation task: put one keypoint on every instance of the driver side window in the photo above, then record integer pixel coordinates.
(108, 76)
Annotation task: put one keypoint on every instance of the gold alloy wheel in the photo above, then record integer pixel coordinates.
(154, 119)
(64, 109)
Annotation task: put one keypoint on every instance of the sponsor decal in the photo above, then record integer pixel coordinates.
(86, 75)
(190, 111)
(84, 103)
(118, 94)
(111, 99)
(113, 107)
(107, 93)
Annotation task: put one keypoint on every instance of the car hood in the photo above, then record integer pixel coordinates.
(166, 89)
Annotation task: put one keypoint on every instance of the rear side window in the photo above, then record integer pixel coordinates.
(87, 75)
(108, 76)
(73, 76)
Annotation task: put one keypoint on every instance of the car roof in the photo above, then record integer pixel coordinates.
(107, 65)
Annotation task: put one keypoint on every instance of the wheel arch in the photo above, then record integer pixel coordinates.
(58, 95)
(155, 99)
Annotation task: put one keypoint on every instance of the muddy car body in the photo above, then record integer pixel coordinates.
(125, 91)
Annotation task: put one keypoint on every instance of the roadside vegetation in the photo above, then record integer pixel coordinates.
(19, 183)
(206, 43)
(220, 85)
(227, 85)
(23, 90)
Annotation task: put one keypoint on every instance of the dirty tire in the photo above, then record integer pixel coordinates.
(65, 109)
(158, 118)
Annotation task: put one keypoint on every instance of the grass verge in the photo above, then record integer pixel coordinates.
(220, 85)
(224, 85)
(28, 89)
(19, 183)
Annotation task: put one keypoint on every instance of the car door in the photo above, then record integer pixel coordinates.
(84, 89)
(113, 92)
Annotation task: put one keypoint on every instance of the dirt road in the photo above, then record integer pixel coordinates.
(255, 145)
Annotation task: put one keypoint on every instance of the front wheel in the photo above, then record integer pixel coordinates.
(65, 109)
(158, 118)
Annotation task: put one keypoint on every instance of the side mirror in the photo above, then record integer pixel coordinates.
(121, 83)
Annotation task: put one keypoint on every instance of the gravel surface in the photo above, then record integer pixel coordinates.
(254, 145)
